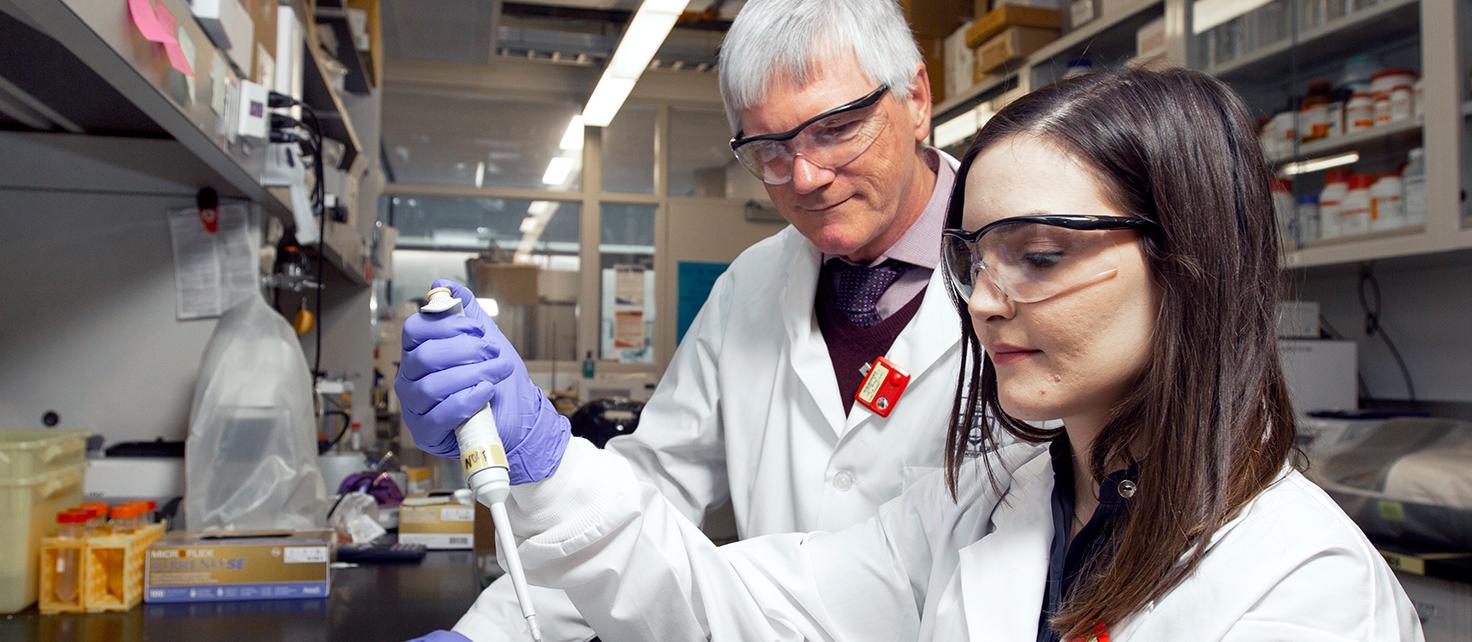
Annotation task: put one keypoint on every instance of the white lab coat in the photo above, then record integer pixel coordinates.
(749, 411)
(1291, 566)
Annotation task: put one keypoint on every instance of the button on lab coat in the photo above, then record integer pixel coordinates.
(749, 410)
(1291, 566)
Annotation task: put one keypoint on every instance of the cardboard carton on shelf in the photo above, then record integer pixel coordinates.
(987, 26)
(935, 18)
(1012, 45)
(960, 61)
(933, 51)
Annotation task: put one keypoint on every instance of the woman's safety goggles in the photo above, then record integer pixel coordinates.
(829, 140)
(1032, 258)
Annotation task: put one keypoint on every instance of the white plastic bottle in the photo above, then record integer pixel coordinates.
(1307, 218)
(1283, 206)
(1387, 203)
(1414, 176)
(1354, 213)
(1331, 200)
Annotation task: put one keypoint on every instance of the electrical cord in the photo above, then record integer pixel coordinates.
(347, 422)
(1370, 304)
(313, 127)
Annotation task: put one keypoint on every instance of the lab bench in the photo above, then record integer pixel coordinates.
(367, 603)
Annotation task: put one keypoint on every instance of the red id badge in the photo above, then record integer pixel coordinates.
(883, 384)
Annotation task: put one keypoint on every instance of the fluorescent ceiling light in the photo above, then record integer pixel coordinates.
(647, 32)
(606, 100)
(541, 209)
(558, 171)
(529, 223)
(1319, 164)
(492, 309)
(480, 173)
(572, 139)
(1206, 14)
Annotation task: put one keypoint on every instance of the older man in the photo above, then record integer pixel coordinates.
(830, 105)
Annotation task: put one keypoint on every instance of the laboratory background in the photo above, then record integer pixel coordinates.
(216, 215)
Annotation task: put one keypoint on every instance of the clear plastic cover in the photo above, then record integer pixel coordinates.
(1403, 479)
(251, 456)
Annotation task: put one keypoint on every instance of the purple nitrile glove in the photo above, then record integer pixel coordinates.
(452, 366)
(441, 636)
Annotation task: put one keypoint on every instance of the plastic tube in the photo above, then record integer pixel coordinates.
(487, 473)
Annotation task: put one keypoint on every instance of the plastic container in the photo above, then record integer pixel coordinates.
(1313, 115)
(1392, 89)
(1359, 113)
(1354, 213)
(1387, 203)
(1359, 69)
(1283, 206)
(28, 508)
(28, 453)
(1331, 201)
(1418, 91)
(1307, 218)
(1414, 176)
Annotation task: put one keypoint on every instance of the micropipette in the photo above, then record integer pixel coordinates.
(486, 472)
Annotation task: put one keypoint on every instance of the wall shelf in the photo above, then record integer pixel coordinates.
(1085, 39)
(1331, 41)
(347, 53)
(326, 102)
(1411, 245)
(1387, 135)
(974, 96)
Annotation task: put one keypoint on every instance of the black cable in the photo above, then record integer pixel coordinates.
(1372, 323)
(347, 422)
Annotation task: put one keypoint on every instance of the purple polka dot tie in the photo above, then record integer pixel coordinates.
(858, 288)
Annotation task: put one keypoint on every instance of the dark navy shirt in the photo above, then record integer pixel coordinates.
(1067, 559)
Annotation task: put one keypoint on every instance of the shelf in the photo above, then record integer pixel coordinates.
(1383, 134)
(347, 53)
(974, 96)
(337, 257)
(112, 81)
(325, 102)
(1409, 246)
(1331, 41)
(1120, 24)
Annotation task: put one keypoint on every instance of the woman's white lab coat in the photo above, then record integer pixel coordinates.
(1291, 567)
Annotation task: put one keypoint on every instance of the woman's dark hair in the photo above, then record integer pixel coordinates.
(1208, 424)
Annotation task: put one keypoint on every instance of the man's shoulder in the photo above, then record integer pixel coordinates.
(769, 255)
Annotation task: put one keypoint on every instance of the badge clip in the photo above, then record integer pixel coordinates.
(883, 384)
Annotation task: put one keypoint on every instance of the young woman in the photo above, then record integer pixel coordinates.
(1114, 259)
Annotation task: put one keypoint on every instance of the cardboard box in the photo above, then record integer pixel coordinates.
(263, 14)
(1079, 13)
(507, 283)
(239, 565)
(437, 521)
(993, 22)
(1150, 39)
(1012, 45)
(934, 18)
(933, 51)
(960, 63)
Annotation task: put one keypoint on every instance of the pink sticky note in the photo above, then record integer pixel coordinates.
(147, 21)
(171, 44)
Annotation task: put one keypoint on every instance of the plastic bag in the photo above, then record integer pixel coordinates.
(251, 457)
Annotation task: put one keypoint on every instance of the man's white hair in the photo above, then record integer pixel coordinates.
(785, 40)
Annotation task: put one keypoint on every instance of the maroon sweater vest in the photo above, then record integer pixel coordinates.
(850, 346)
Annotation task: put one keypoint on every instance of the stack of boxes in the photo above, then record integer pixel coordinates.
(932, 21)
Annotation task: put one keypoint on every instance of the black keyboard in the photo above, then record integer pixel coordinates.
(384, 549)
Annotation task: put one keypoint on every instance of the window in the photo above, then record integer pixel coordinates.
(626, 266)
(628, 151)
(445, 138)
(524, 255)
(700, 159)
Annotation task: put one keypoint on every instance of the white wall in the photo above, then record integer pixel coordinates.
(1427, 311)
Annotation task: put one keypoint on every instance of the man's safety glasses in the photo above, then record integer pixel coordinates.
(829, 140)
(1033, 258)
